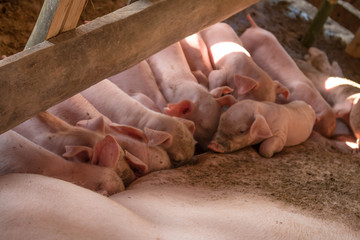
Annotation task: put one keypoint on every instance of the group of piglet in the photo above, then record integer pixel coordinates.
(212, 88)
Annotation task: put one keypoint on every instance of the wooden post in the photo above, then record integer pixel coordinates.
(56, 16)
(317, 24)
(353, 49)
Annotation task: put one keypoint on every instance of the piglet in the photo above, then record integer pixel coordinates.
(141, 157)
(74, 143)
(186, 97)
(249, 122)
(138, 81)
(343, 94)
(268, 53)
(175, 135)
(235, 68)
(197, 56)
(19, 155)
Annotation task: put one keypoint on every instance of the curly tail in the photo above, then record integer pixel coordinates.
(253, 24)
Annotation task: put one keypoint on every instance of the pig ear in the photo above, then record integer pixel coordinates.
(201, 78)
(226, 101)
(281, 89)
(80, 153)
(188, 123)
(217, 78)
(244, 84)
(95, 124)
(260, 128)
(220, 91)
(129, 131)
(157, 138)
(140, 168)
(107, 152)
(179, 109)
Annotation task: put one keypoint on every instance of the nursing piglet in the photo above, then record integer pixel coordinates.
(186, 97)
(139, 79)
(141, 157)
(343, 94)
(249, 122)
(268, 53)
(74, 143)
(197, 56)
(235, 68)
(175, 135)
(19, 155)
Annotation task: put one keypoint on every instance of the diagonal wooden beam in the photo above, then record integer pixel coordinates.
(48, 73)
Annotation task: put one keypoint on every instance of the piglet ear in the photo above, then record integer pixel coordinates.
(179, 109)
(129, 131)
(79, 153)
(281, 89)
(188, 123)
(95, 124)
(220, 91)
(107, 153)
(157, 137)
(227, 100)
(244, 84)
(137, 165)
(260, 128)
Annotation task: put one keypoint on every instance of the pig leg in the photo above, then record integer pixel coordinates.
(271, 145)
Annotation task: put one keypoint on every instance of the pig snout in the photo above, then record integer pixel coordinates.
(216, 147)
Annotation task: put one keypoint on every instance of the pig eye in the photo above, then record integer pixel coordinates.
(242, 131)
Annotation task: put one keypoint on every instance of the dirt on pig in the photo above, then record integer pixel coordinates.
(317, 176)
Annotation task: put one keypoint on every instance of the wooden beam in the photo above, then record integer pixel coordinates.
(48, 73)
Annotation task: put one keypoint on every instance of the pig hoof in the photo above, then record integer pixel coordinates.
(266, 154)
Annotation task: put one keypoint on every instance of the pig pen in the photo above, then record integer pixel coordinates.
(222, 196)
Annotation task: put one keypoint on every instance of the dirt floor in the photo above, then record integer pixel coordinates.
(314, 177)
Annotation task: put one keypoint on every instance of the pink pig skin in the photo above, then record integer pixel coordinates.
(77, 110)
(140, 79)
(175, 135)
(272, 57)
(75, 143)
(235, 68)
(344, 98)
(249, 122)
(197, 56)
(19, 155)
(187, 99)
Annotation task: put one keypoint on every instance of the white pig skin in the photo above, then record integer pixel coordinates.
(249, 122)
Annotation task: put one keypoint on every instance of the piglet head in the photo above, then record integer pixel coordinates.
(105, 153)
(240, 126)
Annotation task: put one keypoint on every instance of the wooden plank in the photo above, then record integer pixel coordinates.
(48, 73)
(66, 16)
(341, 15)
(353, 49)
